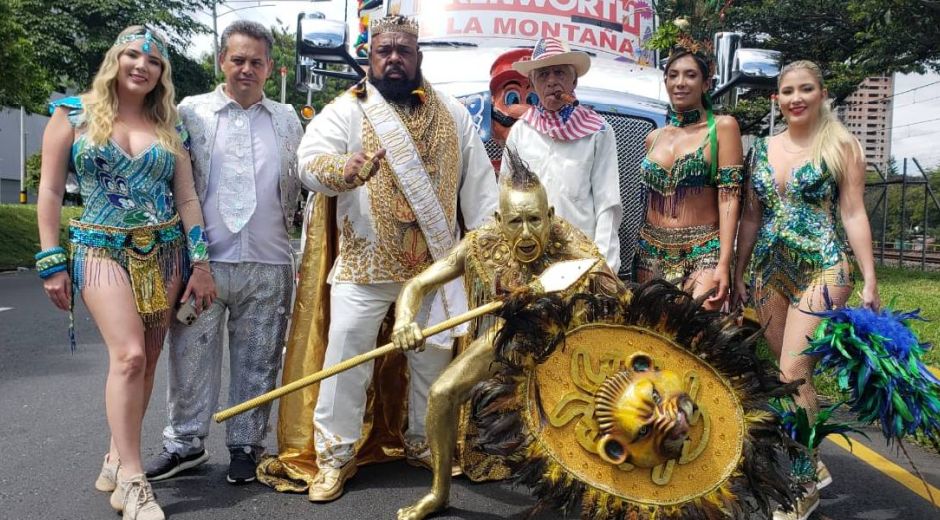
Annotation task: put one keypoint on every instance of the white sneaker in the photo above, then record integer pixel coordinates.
(134, 497)
(803, 507)
(823, 477)
(107, 479)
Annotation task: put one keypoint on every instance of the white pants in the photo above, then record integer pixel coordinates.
(356, 313)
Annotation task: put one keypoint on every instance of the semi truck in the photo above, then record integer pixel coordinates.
(466, 45)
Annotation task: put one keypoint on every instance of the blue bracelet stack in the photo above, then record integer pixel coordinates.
(51, 261)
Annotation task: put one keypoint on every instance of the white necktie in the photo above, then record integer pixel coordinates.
(237, 187)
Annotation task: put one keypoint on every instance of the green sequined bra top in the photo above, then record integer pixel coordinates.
(690, 173)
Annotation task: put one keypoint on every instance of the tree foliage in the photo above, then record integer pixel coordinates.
(30, 81)
(849, 39)
(66, 41)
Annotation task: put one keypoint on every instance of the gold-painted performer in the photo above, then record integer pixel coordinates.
(500, 257)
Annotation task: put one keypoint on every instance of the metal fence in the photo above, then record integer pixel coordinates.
(909, 249)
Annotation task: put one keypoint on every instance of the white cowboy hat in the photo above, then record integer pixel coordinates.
(552, 51)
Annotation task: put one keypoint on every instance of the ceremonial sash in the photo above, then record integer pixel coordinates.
(415, 184)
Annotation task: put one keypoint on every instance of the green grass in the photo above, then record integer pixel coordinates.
(19, 235)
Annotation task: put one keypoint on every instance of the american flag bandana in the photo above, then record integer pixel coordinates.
(571, 123)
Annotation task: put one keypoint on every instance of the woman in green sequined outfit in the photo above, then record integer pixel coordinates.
(801, 182)
(139, 235)
(692, 213)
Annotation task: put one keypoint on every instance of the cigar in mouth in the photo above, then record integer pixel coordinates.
(566, 98)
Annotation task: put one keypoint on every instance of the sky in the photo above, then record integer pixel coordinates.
(915, 128)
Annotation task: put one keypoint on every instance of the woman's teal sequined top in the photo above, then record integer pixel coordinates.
(798, 234)
(117, 189)
(689, 172)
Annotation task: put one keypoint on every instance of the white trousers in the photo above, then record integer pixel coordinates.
(356, 313)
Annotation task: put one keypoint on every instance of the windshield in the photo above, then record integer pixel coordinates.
(605, 28)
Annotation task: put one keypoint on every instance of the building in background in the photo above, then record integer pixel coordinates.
(868, 113)
(10, 150)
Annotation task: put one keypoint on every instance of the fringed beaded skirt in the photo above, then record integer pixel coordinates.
(675, 253)
(151, 256)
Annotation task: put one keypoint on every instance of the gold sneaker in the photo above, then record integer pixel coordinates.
(802, 509)
(426, 463)
(134, 497)
(107, 479)
(328, 484)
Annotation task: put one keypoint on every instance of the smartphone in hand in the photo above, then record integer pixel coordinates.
(187, 312)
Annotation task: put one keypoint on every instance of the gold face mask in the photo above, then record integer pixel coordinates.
(643, 415)
(525, 219)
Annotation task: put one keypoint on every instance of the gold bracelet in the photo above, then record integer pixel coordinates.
(202, 267)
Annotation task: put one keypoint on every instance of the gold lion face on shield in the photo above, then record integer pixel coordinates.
(643, 414)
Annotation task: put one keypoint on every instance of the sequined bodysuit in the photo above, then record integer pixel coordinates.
(130, 216)
(798, 244)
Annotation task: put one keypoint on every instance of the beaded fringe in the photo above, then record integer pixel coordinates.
(148, 276)
(675, 253)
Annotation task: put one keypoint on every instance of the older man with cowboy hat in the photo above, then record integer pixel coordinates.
(570, 147)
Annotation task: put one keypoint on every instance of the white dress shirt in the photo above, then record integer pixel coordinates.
(264, 238)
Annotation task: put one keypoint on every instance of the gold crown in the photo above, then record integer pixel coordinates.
(393, 23)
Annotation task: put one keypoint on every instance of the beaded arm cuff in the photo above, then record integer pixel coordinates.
(328, 168)
(730, 177)
(51, 261)
(197, 245)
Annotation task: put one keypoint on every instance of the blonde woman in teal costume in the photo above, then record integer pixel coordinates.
(139, 240)
(692, 171)
(801, 182)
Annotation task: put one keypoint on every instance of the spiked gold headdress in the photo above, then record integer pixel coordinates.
(393, 23)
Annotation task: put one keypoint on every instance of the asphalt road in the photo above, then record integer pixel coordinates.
(53, 435)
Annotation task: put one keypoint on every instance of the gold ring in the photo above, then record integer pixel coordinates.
(366, 168)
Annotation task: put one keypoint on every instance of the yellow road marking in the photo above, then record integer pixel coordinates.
(889, 468)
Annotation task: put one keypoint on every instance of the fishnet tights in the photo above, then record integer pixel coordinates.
(787, 329)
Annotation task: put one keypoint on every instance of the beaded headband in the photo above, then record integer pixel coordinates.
(393, 23)
(148, 38)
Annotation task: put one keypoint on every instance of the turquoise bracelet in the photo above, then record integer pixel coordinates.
(51, 261)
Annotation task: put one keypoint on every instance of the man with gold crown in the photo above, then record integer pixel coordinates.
(406, 169)
(502, 257)
(570, 147)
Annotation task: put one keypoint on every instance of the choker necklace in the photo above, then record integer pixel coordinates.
(684, 118)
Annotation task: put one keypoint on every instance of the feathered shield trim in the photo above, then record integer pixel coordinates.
(535, 326)
(878, 358)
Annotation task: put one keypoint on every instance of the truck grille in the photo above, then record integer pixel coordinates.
(631, 134)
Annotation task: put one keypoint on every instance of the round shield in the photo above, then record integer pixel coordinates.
(565, 406)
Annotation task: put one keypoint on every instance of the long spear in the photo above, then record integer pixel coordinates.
(557, 277)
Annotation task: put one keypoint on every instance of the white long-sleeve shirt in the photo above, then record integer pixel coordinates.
(581, 178)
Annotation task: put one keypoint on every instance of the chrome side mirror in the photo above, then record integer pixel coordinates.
(752, 68)
(758, 67)
(321, 43)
